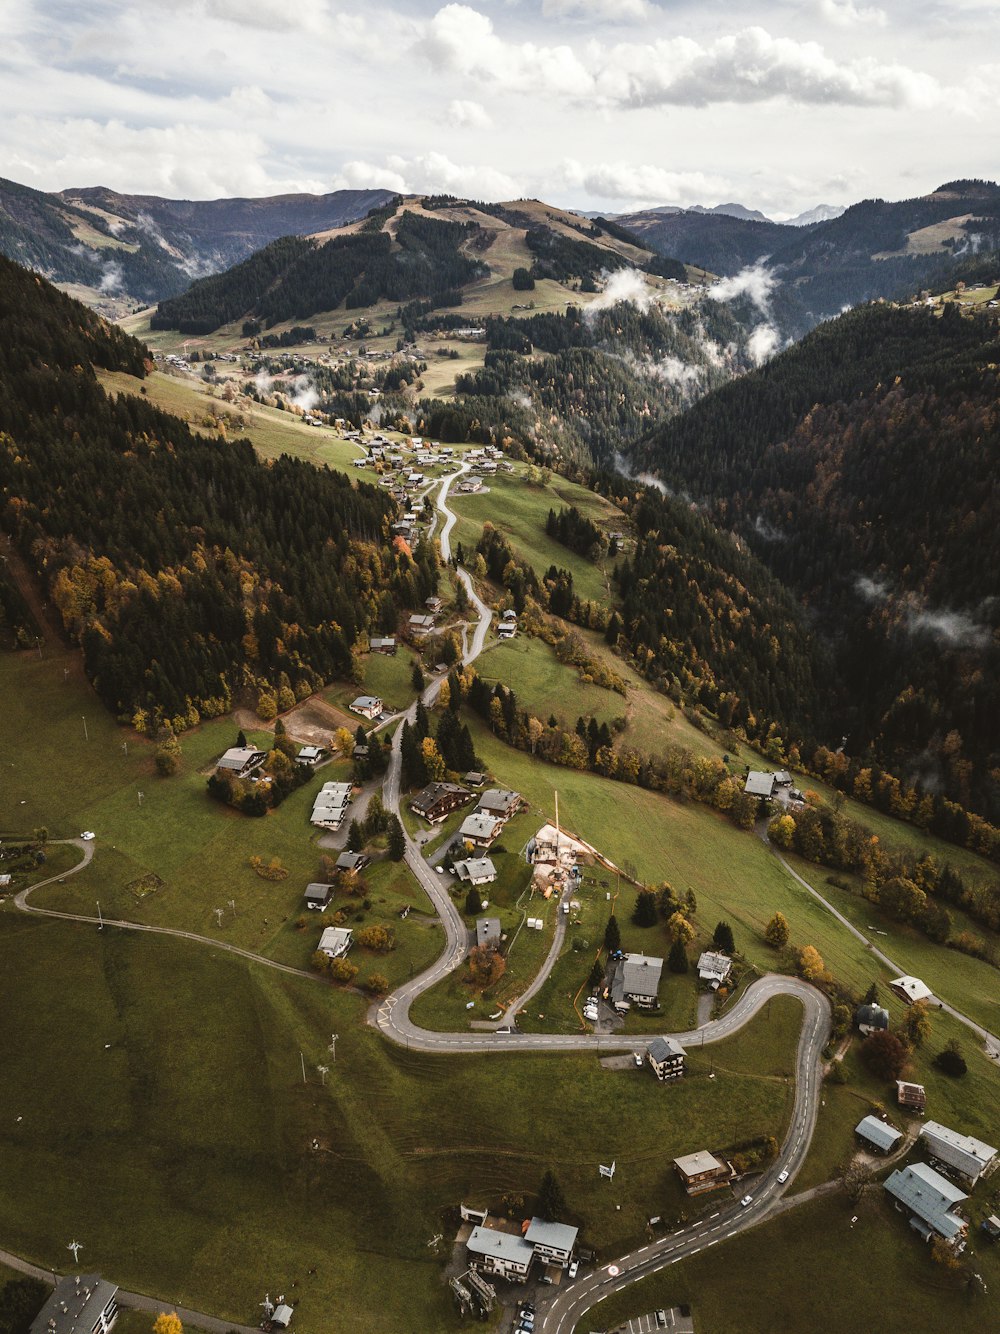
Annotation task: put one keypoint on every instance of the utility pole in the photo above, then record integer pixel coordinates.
(86, 734)
(100, 918)
(303, 1060)
(140, 796)
(333, 1045)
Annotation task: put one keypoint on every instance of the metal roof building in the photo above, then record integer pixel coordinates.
(759, 784)
(876, 1132)
(930, 1199)
(967, 1155)
(81, 1304)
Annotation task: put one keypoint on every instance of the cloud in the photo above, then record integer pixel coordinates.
(623, 285)
(598, 11)
(272, 15)
(641, 183)
(763, 342)
(468, 115)
(744, 67)
(430, 173)
(954, 627)
(756, 282)
(846, 14)
(111, 278)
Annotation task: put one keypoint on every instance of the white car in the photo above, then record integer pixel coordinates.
(637, 1057)
(747, 1199)
(574, 1269)
(87, 835)
(782, 1177)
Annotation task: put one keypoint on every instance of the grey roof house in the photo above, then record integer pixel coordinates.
(877, 1134)
(80, 1304)
(552, 1242)
(930, 1200)
(965, 1154)
(666, 1058)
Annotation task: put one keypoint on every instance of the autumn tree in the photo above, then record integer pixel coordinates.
(168, 1322)
(811, 965)
(776, 932)
(918, 1023)
(884, 1054)
(376, 984)
(486, 964)
(377, 937)
(168, 755)
(433, 761)
(679, 928)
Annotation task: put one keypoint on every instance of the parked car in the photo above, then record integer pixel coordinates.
(637, 1057)
(661, 1318)
(574, 1269)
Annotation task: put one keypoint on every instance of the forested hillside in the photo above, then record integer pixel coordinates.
(189, 571)
(861, 465)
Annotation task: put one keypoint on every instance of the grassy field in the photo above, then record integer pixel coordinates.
(271, 431)
(172, 1078)
(811, 1268)
(519, 510)
(545, 685)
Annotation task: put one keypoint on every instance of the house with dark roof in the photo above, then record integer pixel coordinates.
(80, 1304)
(636, 981)
(351, 862)
(666, 1058)
(910, 1095)
(480, 830)
(311, 755)
(488, 931)
(500, 803)
(871, 1019)
(369, 706)
(759, 784)
(436, 801)
(385, 644)
(318, 896)
(931, 1201)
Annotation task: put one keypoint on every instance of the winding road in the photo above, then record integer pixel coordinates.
(563, 1312)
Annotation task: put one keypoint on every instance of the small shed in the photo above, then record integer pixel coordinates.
(317, 896)
(877, 1134)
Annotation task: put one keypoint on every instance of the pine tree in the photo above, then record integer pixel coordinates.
(612, 935)
(677, 959)
(645, 913)
(551, 1201)
(355, 839)
(473, 902)
(417, 679)
(722, 938)
(397, 840)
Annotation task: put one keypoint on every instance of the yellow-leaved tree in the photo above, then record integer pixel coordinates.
(168, 1322)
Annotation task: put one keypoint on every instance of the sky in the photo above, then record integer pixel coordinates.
(608, 105)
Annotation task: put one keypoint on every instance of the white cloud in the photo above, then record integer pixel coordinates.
(641, 183)
(273, 15)
(744, 67)
(623, 285)
(762, 344)
(846, 14)
(468, 115)
(430, 173)
(756, 282)
(599, 11)
(954, 627)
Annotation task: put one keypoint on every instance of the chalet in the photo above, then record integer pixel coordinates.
(311, 756)
(476, 871)
(317, 897)
(241, 761)
(421, 626)
(871, 1019)
(666, 1058)
(553, 1243)
(360, 752)
(488, 931)
(351, 863)
(510, 615)
(930, 1200)
(369, 706)
(964, 1154)
(714, 968)
(759, 784)
(480, 830)
(500, 1254)
(330, 805)
(507, 630)
(499, 803)
(473, 778)
(471, 486)
(702, 1171)
(911, 1095)
(636, 981)
(336, 941)
(910, 989)
(437, 800)
(80, 1304)
(433, 604)
(383, 644)
(877, 1135)
(783, 778)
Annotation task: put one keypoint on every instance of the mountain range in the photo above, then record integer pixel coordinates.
(141, 247)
